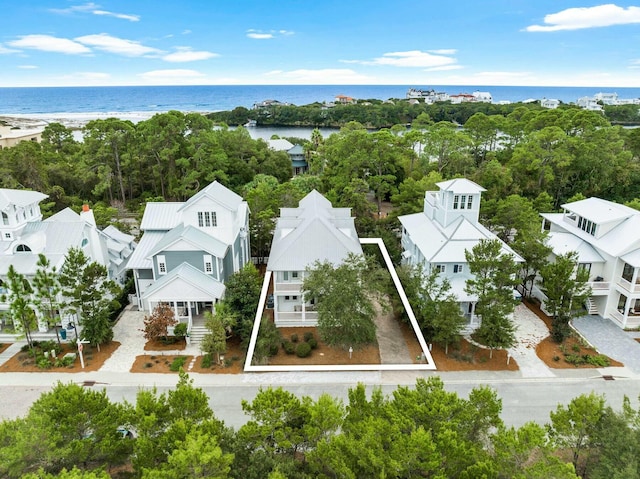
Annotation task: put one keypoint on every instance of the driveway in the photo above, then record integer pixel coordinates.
(609, 339)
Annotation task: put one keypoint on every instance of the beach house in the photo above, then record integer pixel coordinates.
(314, 231)
(606, 237)
(24, 235)
(188, 250)
(438, 237)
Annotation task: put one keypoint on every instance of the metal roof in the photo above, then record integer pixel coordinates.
(563, 243)
(460, 185)
(19, 197)
(160, 216)
(218, 193)
(600, 211)
(191, 277)
(315, 231)
(140, 257)
(192, 235)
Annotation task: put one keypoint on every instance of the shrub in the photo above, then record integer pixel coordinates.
(44, 363)
(599, 360)
(303, 350)
(575, 348)
(148, 365)
(289, 347)
(206, 361)
(180, 331)
(574, 359)
(177, 363)
(273, 349)
(556, 358)
(313, 343)
(294, 338)
(308, 336)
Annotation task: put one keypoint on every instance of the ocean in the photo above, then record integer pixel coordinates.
(144, 101)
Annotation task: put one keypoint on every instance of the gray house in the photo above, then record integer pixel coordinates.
(188, 250)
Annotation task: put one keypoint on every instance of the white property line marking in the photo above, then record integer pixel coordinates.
(428, 366)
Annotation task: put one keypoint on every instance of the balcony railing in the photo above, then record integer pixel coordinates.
(288, 287)
(634, 288)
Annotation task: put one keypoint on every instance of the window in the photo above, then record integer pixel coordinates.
(208, 264)
(458, 268)
(463, 200)
(7, 236)
(469, 202)
(5, 218)
(162, 264)
(587, 226)
(291, 298)
(85, 242)
(456, 199)
(294, 275)
(207, 219)
(22, 248)
(584, 267)
(441, 268)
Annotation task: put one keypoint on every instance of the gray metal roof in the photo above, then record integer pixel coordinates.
(160, 216)
(312, 232)
(460, 185)
(194, 236)
(140, 257)
(193, 277)
(218, 193)
(19, 197)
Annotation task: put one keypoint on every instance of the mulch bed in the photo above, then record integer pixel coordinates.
(93, 360)
(161, 345)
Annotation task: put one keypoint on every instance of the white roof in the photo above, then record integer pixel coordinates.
(460, 185)
(217, 192)
(140, 257)
(600, 211)
(280, 144)
(193, 236)
(185, 283)
(563, 243)
(632, 258)
(315, 231)
(160, 216)
(19, 197)
(448, 245)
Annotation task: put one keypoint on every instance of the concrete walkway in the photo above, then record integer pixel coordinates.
(391, 343)
(530, 331)
(610, 340)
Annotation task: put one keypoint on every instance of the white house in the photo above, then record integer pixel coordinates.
(550, 103)
(439, 236)
(482, 96)
(188, 250)
(606, 236)
(314, 231)
(24, 235)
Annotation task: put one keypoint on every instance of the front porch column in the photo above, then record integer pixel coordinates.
(473, 313)
(634, 279)
(190, 320)
(304, 311)
(176, 313)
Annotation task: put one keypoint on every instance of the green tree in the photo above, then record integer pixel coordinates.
(345, 296)
(242, 295)
(564, 283)
(574, 427)
(215, 341)
(46, 289)
(67, 427)
(493, 281)
(198, 456)
(19, 299)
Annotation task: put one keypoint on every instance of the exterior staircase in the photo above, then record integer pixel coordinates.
(591, 306)
(197, 333)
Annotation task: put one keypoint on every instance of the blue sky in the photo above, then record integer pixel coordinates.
(406, 42)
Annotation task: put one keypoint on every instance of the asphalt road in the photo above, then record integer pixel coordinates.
(523, 400)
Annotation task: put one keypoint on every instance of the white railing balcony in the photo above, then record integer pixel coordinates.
(287, 287)
(633, 288)
(599, 288)
(618, 317)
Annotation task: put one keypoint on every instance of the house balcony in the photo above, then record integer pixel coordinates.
(628, 286)
(287, 287)
(599, 288)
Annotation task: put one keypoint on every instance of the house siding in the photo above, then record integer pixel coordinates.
(174, 259)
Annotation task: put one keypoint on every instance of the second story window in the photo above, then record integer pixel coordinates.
(208, 264)
(441, 268)
(207, 219)
(456, 200)
(458, 268)
(162, 264)
(469, 202)
(463, 201)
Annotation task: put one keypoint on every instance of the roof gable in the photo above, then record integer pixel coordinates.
(193, 236)
(218, 193)
(19, 198)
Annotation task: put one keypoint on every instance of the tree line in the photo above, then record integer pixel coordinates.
(420, 431)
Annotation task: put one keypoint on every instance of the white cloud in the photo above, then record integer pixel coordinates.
(587, 17)
(116, 45)
(260, 36)
(326, 76)
(5, 50)
(123, 16)
(444, 68)
(411, 58)
(48, 43)
(185, 54)
(444, 51)
(27, 67)
(94, 9)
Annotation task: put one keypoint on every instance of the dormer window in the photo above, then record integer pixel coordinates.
(469, 202)
(23, 248)
(587, 225)
(207, 219)
(5, 219)
(456, 200)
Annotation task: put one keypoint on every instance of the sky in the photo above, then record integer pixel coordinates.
(345, 42)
